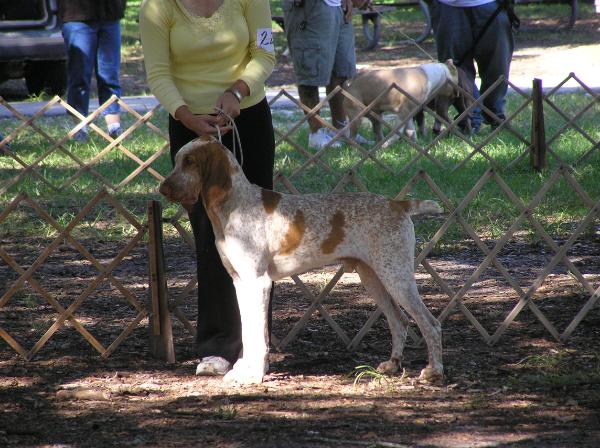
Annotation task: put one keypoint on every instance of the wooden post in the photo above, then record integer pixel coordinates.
(160, 330)
(538, 133)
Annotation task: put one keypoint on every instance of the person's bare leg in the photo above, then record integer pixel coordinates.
(113, 123)
(309, 96)
(336, 103)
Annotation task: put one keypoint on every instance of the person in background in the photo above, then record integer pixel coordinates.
(207, 60)
(320, 37)
(477, 31)
(92, 34)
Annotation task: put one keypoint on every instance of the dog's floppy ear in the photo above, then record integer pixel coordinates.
(452, 69)
(215, 172)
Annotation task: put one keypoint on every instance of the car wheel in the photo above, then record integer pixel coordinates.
(46, 76)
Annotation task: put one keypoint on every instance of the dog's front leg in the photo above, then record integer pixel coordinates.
(442, 103)
(253, 302)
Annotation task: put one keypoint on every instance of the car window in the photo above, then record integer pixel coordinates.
(25, 13)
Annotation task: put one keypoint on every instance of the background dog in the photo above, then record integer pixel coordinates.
(263, 236)
(461, 98)
(422, 83)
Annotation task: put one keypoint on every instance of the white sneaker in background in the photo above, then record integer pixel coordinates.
(320, 139)
(362, 141)
(213, 366)
(358, 138)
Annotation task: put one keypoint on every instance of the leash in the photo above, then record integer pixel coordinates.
(512, 17)
(236, 141)
(371, 8)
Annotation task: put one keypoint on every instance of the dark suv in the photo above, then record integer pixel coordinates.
(32, 46)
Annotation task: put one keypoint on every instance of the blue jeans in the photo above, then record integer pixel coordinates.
(92, 45)
(455, 30)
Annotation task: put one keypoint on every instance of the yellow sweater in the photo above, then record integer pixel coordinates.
(191, 60)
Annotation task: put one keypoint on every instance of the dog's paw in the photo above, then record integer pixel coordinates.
(432, 375)
(389, 367)
(244, 373)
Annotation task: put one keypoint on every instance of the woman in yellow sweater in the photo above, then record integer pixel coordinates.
(202, 56)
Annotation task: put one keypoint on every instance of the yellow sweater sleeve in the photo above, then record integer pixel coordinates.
(192, 61)
(262, 53)
(155, 21)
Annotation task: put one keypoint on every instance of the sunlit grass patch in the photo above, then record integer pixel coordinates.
(558, 369)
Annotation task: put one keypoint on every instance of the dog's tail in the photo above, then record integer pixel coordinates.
(422, 207)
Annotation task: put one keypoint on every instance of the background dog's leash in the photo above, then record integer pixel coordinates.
(382, 17)
(515, 23)
(236, 142)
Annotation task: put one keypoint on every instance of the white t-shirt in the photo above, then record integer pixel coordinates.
(465, 3)
(333, 2)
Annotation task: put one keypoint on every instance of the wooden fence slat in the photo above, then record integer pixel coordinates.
(349, 177)
(299, 325)
(13, 343)
(161, 336)
(538, 128)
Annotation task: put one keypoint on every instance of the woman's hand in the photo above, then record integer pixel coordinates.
(229, 101)
(229, 104)
(202, 124)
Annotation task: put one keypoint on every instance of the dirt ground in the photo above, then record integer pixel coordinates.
(528, 390)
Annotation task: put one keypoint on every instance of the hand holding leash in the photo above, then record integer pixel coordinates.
(202, 124)
(228, 103)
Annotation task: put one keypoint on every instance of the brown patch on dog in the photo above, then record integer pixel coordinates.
(336, 235)
(270, 199)
(294, 234)
(402, 207)
(215, 173)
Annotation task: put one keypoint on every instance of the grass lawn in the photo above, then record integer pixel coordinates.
(490, 211)
(63, 188)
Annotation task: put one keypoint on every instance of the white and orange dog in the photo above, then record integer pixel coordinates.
(264, 235)
(423, 83)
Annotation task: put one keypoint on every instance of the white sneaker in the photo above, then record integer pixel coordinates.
(213, 366)
(358, 138)
(320, 139)
(361, 140)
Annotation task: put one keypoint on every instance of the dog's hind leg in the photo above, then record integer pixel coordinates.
(376, 127)
(397, 320)
(253, 302)
(403, 289)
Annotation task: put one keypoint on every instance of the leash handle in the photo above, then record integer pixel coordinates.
(237, 143)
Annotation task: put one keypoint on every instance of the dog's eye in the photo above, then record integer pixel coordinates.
(188, 161)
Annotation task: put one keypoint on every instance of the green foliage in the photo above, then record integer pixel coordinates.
(557, 370)
(490, 212)
(225, 412)
(458, 167)
(364, 372)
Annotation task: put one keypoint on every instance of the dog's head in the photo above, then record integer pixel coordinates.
(453, 70)
(203, 170)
